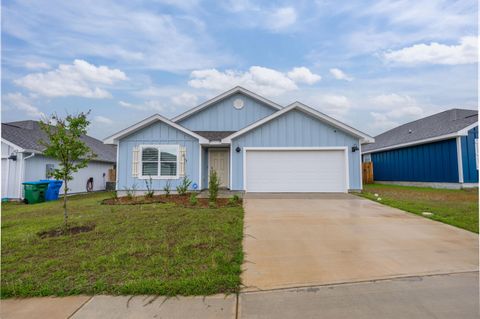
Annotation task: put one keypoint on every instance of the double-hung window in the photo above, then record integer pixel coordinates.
(159, 161)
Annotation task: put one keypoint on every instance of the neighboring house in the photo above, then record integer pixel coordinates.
(252, 143)
(438, 150)
(22, 160)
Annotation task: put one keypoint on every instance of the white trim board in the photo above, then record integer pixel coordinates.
(459, 159)
(365, 138)
(112, 139)
(327, 148)
(235, 90)
(462, 132)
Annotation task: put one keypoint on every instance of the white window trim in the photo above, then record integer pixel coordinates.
(328, 148)
(158, 146)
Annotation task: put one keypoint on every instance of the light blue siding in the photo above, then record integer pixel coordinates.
(157, 133)
(295, 129)
(222, 116)
(470, 171)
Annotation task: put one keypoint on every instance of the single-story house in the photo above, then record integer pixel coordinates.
(22, 160)
(440, 150)
(253, 144)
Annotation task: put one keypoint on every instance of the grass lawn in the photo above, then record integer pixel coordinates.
(455, 207)
(159, 249)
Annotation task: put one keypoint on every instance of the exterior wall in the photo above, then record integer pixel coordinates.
(433, 162)
(222, 116)
(157, 133)
(295, 129)
(470, 171)
(11, 173)
(35, 169)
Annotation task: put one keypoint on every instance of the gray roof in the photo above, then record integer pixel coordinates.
(28, 134)
(214, 135)
(439, 124)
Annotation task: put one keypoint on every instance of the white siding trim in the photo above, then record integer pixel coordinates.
(117, 167)
(237, 89)
(326, 148)
(302, 107)
(231, 167)
(361, 164)
(459, 159)
(200, 175)
(112, 139)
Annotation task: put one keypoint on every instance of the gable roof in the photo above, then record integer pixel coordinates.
(214, 135)
(235, 90)
(112, 139)
(440, 126)
(365, 138)
(27, 136)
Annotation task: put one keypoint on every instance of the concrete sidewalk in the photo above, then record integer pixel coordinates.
(439, 296)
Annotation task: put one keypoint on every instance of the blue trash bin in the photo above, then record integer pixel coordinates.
(53, 189)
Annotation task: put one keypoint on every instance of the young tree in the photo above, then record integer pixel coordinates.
(65, 144)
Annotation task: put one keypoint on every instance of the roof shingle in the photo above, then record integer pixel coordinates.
(28, 134)
(439, 124)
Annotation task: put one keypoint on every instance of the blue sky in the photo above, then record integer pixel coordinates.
(371, 64)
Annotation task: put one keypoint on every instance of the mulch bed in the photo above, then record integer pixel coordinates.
(182, 200)
(70, 231)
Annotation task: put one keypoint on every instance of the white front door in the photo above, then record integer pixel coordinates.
(280, 170)
(219, 161)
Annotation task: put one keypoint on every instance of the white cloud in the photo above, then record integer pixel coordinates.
(78, 79)
(281, 18)
(464, 52)
(303, 75)
(334, 105)
(138, 35)
(102, 120)
(22, 103)
(392, 109)
(185, 99)
(150, 105)
(36, 65)
(263, 80)
(340, 75)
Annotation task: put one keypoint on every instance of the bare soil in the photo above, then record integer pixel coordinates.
(182, 200)
(70, 231)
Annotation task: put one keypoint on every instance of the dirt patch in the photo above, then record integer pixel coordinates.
(70, 231)
(181, 200)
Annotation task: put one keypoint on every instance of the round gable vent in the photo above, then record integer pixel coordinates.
(238, 104)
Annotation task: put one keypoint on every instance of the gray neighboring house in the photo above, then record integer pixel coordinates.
(440, 150)
(22, 160)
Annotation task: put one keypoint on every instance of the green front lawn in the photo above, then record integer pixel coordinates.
(159, 249)
(455, 207)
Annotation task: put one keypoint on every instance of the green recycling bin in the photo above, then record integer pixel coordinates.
(35, 192)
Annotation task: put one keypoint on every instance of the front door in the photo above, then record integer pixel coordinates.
(219, 161)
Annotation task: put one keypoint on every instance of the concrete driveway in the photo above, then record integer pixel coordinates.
(294, 240)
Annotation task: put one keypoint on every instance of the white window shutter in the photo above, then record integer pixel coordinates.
(135, 161)
(183, 160)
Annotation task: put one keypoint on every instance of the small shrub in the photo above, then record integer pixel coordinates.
(167, 188)
(213, 186)
(150, 191)
(183, 187)
(131, 191)
(193, 199)
(234, 200)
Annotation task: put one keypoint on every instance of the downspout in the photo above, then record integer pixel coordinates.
(459, 160)
(22, 171)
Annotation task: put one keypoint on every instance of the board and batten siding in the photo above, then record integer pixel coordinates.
(157, 133)
(222, 116)
(296, 129)
(36, 169)
(432, 162)
(469, 164)
(11, 172)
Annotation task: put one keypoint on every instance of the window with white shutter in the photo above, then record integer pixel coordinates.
(160, 161)
(135, 161)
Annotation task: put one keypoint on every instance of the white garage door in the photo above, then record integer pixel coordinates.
(296, 171)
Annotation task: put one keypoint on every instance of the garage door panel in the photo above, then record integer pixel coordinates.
(295, 171)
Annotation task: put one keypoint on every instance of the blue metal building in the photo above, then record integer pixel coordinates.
(437, 150)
